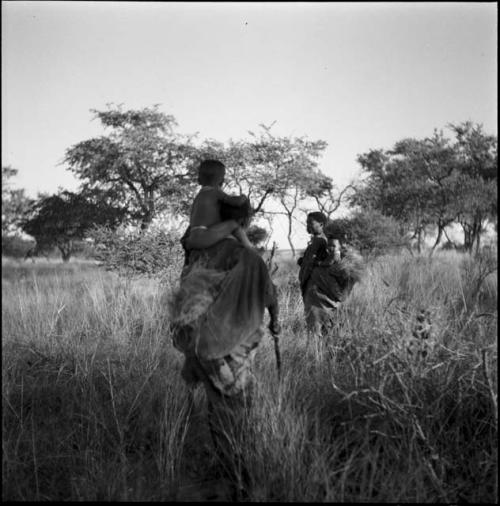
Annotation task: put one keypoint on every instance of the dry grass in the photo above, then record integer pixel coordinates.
(94, 407)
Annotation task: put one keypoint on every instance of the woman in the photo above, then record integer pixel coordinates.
(328, 272)
(217, 315)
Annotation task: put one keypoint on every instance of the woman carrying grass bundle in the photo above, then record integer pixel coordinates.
(328, 272)
(217, 314)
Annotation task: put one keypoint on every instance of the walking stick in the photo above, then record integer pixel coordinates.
(275, 335)
(278, 354)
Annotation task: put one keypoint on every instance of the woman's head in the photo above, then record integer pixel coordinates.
(315, 222)
(211, 173)
(242, 214)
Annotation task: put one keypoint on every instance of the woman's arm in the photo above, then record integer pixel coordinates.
(309, 259)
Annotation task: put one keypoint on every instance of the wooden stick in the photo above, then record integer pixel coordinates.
(493, 396)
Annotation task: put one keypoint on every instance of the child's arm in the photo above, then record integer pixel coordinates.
(204, 237)
(336, 253)
(333, 254)
(241, 235)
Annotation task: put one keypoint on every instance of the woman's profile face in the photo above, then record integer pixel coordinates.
(313, 226)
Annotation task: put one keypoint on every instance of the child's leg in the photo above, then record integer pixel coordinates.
(200, 238)
(241, 235)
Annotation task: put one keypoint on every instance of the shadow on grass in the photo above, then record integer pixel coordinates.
(89, 429)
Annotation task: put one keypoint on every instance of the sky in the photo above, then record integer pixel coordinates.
(359, 76)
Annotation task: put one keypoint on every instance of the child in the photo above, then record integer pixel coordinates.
(343, 263)
(206, 227)
(336, 244)
(333, 251)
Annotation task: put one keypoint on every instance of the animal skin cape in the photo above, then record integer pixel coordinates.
(225, 289)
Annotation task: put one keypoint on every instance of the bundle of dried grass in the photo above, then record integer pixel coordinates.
(352, 265)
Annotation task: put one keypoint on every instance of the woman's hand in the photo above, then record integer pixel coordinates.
(274, 327)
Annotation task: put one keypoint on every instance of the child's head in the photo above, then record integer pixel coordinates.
(315, 222)
(336, 230)
(335, 235)
(211, 173)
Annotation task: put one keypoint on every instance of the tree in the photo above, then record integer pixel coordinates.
(430, 164)
(397, 186)
(7, 174)
(247, 170)
(142, 163)
(430, 183)
(439, 165)
(380, 189)
(60, 220)
(325, 195)
(477, 163)
(275, 173)
(14, 202)
(286, 166)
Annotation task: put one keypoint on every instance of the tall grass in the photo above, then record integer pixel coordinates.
(94, 407)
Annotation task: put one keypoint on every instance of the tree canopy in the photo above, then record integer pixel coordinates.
(430, 183)
(142, 162)
(276, 173)
(59, 220)
(14, 202)
(369, 231)
(477, 167)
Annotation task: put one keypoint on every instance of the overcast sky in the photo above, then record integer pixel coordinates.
(359, 76)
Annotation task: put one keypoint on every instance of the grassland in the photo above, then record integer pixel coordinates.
(94, 407)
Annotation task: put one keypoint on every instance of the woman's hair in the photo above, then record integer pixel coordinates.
(211, 172)
(242, 214)
(317, 216)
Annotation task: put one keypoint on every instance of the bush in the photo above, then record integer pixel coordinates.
(370, 232)
(151, 253)
(15, 246)
(83, 249)
(257, 235)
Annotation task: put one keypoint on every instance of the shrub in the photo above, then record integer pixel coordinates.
(370, 232)
(151, 253)
(15, 246)
(257, 235)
